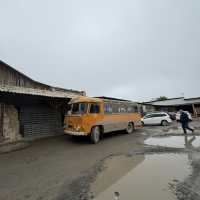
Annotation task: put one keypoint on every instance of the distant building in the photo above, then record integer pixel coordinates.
(28, 108)
(173, 105)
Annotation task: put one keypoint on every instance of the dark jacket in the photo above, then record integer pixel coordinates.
(184, 118)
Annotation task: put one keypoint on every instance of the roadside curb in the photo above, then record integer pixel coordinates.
(13, 146)
(23, 143)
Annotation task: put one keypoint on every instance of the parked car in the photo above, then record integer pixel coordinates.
(160, 118)
(178, 115)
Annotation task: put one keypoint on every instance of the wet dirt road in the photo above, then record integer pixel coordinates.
(150, 177)
(65, 168)
(48, 167)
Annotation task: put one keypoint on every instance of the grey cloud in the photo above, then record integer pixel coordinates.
(131, 49)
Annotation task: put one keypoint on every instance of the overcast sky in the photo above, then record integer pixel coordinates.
(132, 49)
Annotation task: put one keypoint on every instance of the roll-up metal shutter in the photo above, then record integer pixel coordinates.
(40, 120)
(1, 120)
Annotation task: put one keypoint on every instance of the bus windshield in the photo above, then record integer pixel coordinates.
(79, 108)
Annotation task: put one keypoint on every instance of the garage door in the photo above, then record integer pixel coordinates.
(40, 120)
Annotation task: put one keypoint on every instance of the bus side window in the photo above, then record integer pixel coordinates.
(94, 108)
(115, 108)
(108, 108)
(136, 109)
(130, 109)
(122, 109)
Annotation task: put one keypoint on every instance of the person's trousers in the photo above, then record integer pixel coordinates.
(186, 127)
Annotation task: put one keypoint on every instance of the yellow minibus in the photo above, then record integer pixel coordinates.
(88, 116)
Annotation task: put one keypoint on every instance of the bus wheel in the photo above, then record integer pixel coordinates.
(130, 128)
(142, 123)
(95, 134)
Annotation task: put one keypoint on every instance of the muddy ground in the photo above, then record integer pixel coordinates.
(64, 168)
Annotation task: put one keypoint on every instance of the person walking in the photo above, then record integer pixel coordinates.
(184, 120)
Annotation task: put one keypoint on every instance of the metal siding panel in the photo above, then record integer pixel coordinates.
(1, 120)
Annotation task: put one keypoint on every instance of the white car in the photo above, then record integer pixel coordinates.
(160, 118)
(178, 115)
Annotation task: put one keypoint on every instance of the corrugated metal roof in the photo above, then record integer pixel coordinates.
(175, 102)
(42, 84)
(192, 100)
(112, 98)
(37, 92)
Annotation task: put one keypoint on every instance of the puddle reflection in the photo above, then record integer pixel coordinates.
(187, 141)
(148, 180)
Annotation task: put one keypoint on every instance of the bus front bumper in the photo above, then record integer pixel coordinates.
(75, 133)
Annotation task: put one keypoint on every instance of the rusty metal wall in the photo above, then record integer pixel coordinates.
(9, 76)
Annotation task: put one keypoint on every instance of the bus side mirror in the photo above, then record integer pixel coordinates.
(69, 112)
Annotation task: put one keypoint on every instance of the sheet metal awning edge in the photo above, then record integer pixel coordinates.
(36, 92)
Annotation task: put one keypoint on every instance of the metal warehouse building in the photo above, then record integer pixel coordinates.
(174, 104)
(29, 108)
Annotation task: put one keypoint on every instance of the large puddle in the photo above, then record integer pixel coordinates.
(175, 141)
(141, 178)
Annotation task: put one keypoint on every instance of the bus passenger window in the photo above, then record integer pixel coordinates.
(129, 109)
(94, 108)
(108, 108)
(136, 109)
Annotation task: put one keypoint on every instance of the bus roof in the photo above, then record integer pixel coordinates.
(113, 99)
(86, 100)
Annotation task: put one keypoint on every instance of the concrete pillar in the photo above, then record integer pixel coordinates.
(11, 124)
(194, 110)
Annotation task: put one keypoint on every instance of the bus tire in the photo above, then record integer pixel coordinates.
(95, 135)
(142, 123)
(130, 128)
